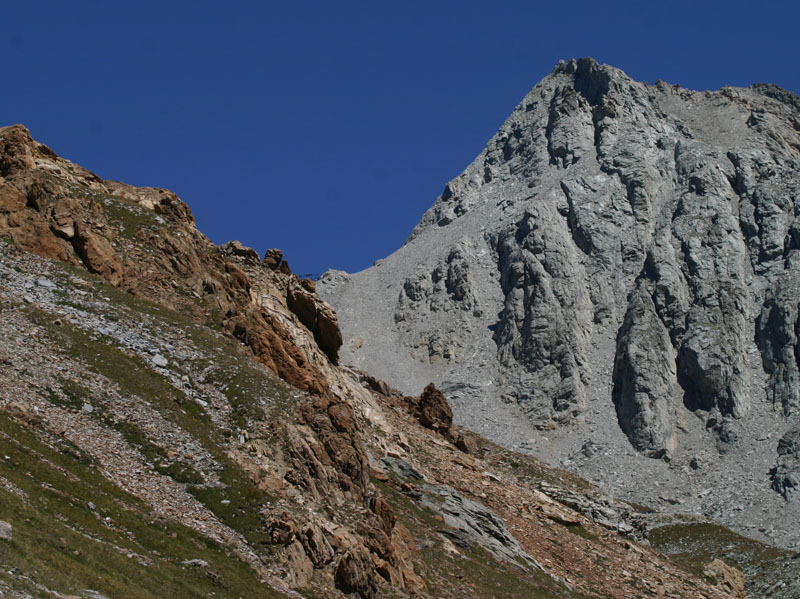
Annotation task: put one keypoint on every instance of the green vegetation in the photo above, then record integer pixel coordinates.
(581, 531)
(694, 544)
(238, 501)
(127, 216)
(528, 469)
(115, 546)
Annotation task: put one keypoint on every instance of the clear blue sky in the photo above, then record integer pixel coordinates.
(327, 128)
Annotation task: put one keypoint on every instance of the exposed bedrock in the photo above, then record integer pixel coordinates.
(619, 252)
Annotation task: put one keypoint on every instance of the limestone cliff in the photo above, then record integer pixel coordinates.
(620, 259)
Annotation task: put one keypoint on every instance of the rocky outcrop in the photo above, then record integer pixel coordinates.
(777, 336)
(433, 411)
(318, 316)
(544, 320)
(620, 258)
(644, 376)
(354, 574)
(144, 240)
(786, 473)
(470, 522)
(726, 578)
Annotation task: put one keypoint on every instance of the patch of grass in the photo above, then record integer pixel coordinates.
(129, 217)
(180, 472)
(252, 392)
(135, 377)
(115, 546)
(119, 303)
(76, 393)
(126, 215)
(694, 544)
(581, 531)
(129, 371)
(528, 469)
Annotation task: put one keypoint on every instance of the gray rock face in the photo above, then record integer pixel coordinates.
(620, 264)
(468, 522)
(786, 474)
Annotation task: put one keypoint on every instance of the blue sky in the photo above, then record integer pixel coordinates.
(326, 129)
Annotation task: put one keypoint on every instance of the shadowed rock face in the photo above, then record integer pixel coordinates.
(619, 253)
(786, 474)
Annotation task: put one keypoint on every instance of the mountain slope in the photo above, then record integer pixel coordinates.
(173, 422)
(618, 267)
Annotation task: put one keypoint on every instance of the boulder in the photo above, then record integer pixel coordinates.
(727, 578)
(6, 531)
(97, 254)
(785, 474)
(433, 411)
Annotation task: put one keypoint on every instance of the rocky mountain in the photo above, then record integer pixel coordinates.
(174, 422)
(612, 286)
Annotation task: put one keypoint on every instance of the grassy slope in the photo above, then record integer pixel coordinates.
(62, 544)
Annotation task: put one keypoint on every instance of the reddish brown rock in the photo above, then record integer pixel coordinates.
(384, 511)
(465, 443)
(237, 278)
(318, 317)
(11, 198)
(726, 577)
(433, 410)
(97, 254)
(300, 567)
(342, 417)
(378, 542)
(355, 574)
(272, 345)
(282, 530)
(33, 234)
(316, 546)
(237, 249)
(63, 221)
(377, 385)
(308, 285)
(16, 150)
(272, 258)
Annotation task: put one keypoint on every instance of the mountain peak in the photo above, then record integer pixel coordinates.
(615, 267)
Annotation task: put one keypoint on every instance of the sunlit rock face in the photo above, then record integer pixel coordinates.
(618, 266)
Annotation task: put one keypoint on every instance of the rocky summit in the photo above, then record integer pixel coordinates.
(183, 419)
(613, 285)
